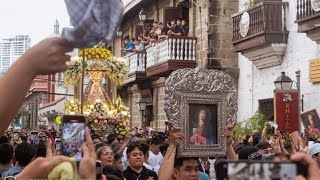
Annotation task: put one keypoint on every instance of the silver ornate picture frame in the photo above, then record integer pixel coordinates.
(201, 102)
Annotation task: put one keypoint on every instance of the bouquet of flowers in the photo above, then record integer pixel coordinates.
(72, 75)
(96, 53)
(314, 134)
(117, 69)
(103, 117)
(72, 106)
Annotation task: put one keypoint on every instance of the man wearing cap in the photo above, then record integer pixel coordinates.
(314, 151)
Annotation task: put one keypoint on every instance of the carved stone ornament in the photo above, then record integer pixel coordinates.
(315, 5)
(244, 24)
(202, 103)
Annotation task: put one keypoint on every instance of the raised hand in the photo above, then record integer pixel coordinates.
(48, 56)
(228, 133)
(41, 167)
(87, 167)
(313, 169)
(175, 134)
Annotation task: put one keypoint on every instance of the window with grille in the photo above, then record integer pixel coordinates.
(266, 107)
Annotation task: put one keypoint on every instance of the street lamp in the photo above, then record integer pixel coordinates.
(142, 105)
(283, 82)
(119, 33)
(142, 15)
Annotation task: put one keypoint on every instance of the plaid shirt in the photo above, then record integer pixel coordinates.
(92, 21)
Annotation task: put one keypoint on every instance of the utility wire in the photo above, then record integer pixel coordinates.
(59, 94)
(52, 80)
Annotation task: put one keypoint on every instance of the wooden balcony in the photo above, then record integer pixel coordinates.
(260, 34)
(137, 65)
(308, 19)
(169, 55)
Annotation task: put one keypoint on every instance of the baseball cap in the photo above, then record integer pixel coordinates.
(314, 149)
(238, 147)
(250, 153)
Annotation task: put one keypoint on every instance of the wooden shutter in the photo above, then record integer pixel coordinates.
(171, 13)
(314, 71)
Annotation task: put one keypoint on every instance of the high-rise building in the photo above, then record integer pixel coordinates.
(11, 49)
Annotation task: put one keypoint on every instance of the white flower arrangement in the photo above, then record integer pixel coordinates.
(117, 69)
(72, 75)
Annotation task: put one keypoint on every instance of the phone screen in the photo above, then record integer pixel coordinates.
(58, 145)
(73, 138)
(258, 170)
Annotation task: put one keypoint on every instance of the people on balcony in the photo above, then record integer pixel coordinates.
(162, 32)
(175, 29)
(128, 45)
(138, 45)
(185, 28)
(148, 37)
(155, 33)
(166, 28)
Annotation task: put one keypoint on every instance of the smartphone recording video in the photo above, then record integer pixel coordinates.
(98, 170)
(253, 170)
(73, 136)
(58, 145)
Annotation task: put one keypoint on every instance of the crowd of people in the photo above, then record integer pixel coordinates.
(146, 155)
(140, 155)
(155, 33)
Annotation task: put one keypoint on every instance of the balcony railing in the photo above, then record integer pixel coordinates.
(173, 48)
(137, 62)
(305, 10)
(265, 17)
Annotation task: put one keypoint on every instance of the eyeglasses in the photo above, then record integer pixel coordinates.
(108, 153)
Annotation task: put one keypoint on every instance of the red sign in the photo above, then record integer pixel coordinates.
(286, 110)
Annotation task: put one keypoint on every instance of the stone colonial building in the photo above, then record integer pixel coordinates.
(271, 37)
(208, 44)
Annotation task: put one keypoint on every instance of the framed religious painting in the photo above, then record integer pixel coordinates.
(202, 103)
(310, 119)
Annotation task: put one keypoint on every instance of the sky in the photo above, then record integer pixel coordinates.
(31, 17)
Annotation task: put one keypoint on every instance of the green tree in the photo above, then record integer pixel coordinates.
(256, 122)
(250, 3)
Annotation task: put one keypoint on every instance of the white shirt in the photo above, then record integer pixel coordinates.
(147, 166)
(155, 160)
(156, 169)
(125, 162)
(211, 168)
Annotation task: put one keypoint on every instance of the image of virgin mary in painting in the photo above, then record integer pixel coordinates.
(203, 124)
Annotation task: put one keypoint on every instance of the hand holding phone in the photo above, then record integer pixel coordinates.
(73, 135)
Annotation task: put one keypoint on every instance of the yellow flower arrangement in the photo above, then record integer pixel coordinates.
(116, 69)
(72, 107)
(103, 117)
(96, 53)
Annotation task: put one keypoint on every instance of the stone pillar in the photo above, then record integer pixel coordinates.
(198, 29)
(155, 107)
(129, 105)
(134, 110)
(211, 23)
(160, 115)
(220, 31)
